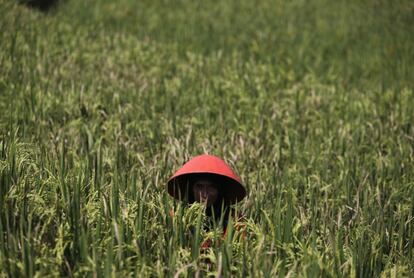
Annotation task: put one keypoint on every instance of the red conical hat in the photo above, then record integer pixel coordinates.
(229, 183)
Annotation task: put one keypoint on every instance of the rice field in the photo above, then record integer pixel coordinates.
(311, 102)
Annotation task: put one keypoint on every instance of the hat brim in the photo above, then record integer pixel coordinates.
(179, 186)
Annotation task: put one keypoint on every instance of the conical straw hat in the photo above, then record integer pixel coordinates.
(212, 167)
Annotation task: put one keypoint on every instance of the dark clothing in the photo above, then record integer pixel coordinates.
(217, 215)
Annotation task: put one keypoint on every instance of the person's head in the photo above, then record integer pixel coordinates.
(205, 191)
(225, 183)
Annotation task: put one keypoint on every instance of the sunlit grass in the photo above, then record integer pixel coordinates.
(311, 103)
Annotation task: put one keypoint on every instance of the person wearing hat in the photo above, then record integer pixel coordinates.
(208, 180)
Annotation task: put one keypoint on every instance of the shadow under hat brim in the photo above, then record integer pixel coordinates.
(179, 186)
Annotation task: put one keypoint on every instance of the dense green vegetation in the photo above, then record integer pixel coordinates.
(311, 102)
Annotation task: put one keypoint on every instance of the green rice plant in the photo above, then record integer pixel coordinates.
(311, 102)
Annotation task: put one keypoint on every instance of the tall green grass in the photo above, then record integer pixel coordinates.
(310, 101)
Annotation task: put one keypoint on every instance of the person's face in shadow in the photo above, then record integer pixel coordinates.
(205, 192)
